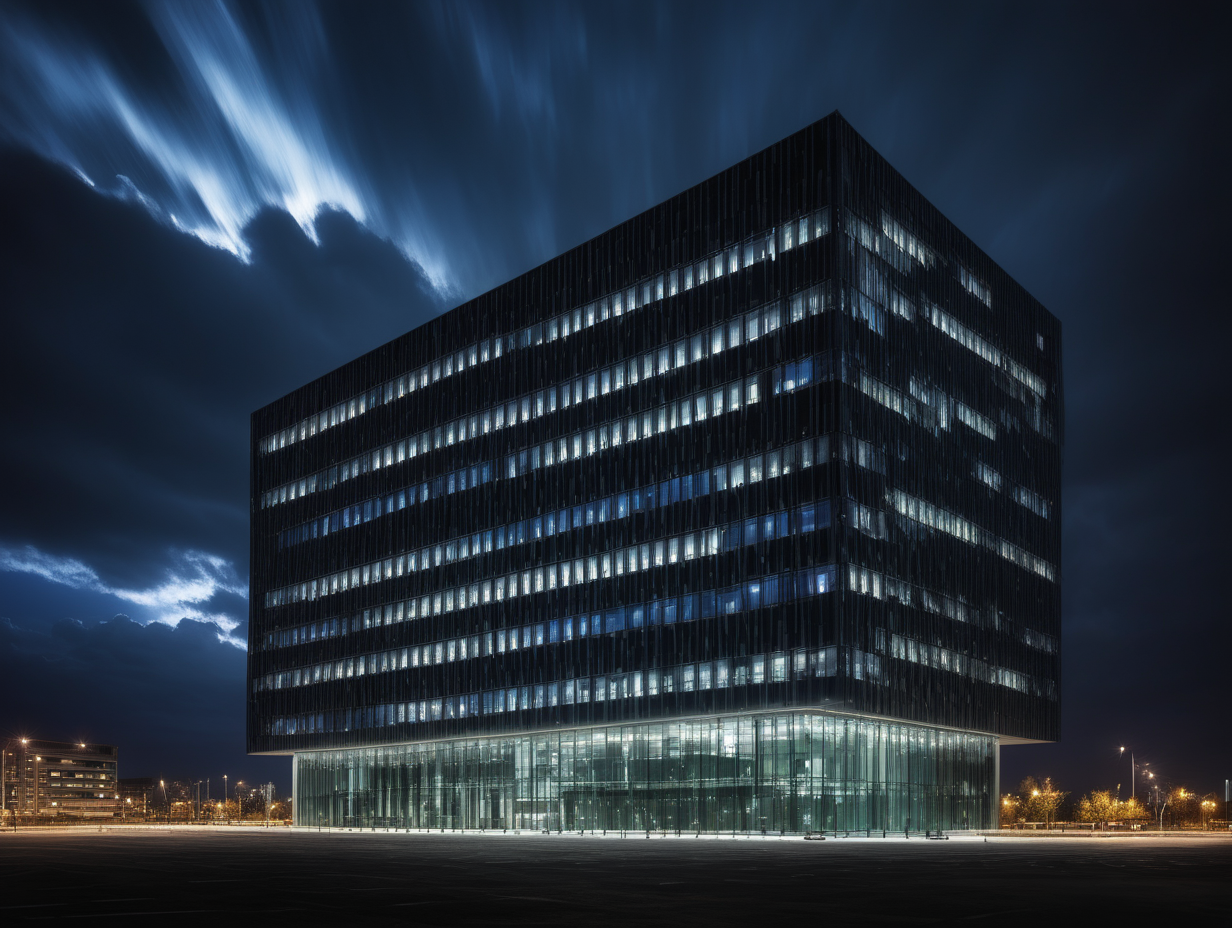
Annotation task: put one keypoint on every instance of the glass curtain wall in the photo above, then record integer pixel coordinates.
(789, 772)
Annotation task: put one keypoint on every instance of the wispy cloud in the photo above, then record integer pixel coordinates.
(66, 571)
(231, 135)
(188, 588)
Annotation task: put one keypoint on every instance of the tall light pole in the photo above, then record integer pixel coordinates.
(224, 798)
(1148, 792)
(1132, 770)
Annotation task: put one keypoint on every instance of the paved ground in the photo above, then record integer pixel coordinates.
(198, 877)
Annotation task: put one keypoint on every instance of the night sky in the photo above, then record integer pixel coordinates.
(204, 206)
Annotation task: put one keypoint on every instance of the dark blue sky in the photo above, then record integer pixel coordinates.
(203, 206)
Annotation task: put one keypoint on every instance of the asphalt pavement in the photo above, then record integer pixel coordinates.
(250, 876)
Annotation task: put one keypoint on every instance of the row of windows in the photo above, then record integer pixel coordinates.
(674, 415)
(740, 597)
(973, 285)
(792, 376)
(464, 478)
(1029, 500)
(891, 242)
(861, 453)
(731, 334)
(709, 541)
(441, 369)
(867, 311)
(750, 595)
(904, 241)
(942, 407)
(860, 580)
(868, 308)
(735, 396)
(872, 286)
(79, 776)
(1019, 494)
(866, 520)
(753, 670)
(934, 408)
(964, 336)
(759, 248)
(755, 468)
(933, 516)
(800, 455)
(869, 582)
(977, 345)
(562, 574)
(938, 408)
(987, 475)
(653, 289)
(697, 407)
(728, 398)
(930, 655)
(900, 248)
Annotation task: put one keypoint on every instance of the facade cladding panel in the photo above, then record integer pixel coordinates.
(780, 454)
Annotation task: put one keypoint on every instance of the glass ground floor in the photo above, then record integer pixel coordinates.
(788, 771)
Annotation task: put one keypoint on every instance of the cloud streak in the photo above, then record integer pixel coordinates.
(189, 586)
(225, 135)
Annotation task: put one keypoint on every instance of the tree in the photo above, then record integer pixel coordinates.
(1040, 800)
(1132, 810)
(1103, 806)
(280, 810)
(1011, 806)
(1185, 807)
(1099, 806)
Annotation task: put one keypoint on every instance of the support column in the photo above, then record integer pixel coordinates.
(996, 805)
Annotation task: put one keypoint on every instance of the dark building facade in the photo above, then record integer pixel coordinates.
(742, 515)
(60, 778)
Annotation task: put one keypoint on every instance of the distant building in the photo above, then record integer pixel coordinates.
(60, 778)
(175, 800)
(180, 799)
(743, 515)
(137, 795)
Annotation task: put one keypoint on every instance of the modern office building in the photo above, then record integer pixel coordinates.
(58, 778)
(742, 515)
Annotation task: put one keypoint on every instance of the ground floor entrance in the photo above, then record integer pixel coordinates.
(788, 771)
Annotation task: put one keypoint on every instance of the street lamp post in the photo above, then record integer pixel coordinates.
(226, 808)
(1155, 787)
(1132, 771)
